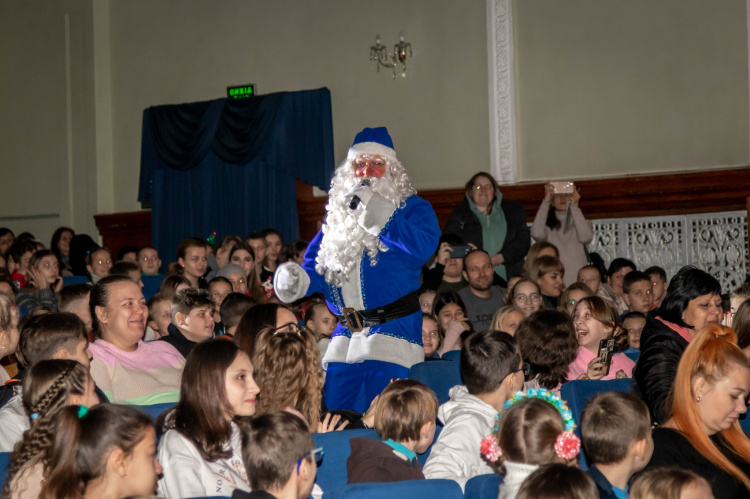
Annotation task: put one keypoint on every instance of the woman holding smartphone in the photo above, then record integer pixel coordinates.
(561, 222)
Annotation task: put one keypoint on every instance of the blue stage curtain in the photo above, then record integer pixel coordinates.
(229, 166)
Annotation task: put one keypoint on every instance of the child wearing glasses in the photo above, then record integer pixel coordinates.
(526, 295)
(280, 457)
(44, 282)
(201, 450)
(148, 260)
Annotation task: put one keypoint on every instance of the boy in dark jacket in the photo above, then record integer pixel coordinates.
(616, 434)
(405, 421)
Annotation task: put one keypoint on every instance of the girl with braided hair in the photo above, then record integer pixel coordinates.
(49, 386)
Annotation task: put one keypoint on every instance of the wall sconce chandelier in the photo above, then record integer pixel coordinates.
(379, 53)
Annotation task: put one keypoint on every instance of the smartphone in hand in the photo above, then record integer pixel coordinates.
(606, 348)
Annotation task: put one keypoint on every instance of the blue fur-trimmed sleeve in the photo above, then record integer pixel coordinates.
(412, 231)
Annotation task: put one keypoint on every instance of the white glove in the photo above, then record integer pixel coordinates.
(363, 191)
(290, 282)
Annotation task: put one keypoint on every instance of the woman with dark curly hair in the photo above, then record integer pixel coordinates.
(548, 344)
(49, 386)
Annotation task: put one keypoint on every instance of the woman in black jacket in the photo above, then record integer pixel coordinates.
(693, 300)
(491, 223)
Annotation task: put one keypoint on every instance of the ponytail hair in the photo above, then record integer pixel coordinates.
(84, 440)
(47, 389)
(193, 242)
(711, 354)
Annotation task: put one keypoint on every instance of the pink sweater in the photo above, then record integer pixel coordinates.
(620, 361)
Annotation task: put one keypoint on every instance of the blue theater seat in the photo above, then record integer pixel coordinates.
(439, 375)
(454, 355)
(483, 486)
(336, 449)
(154, 410)
(4, 463)
(438, 488)
(151, 284)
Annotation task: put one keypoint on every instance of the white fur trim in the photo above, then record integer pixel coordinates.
(361, 347)
(351, 291)
(290, 282)
(371, 148)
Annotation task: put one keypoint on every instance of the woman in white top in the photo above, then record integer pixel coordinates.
(201, 451)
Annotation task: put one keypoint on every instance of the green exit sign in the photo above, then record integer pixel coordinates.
(241, 91)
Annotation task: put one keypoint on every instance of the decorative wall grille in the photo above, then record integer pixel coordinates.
(714, 242)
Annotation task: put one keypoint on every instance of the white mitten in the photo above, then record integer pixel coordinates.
(363, 191)
(290, 282)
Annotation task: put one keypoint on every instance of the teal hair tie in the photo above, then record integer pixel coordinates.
(34, 415)
(82, 411)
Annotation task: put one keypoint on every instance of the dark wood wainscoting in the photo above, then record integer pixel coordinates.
(622, 197)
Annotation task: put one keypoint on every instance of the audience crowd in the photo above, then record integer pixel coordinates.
(241, 379)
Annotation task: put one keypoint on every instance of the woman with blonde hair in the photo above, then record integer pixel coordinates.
(709, 394)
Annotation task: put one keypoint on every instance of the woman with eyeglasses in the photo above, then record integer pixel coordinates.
(43, 284)
(490, 222)
(527, 296)
(201, 449)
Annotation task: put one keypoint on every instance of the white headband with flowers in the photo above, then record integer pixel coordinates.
(567, 444)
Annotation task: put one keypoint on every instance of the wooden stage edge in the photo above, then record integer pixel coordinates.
(621, 197)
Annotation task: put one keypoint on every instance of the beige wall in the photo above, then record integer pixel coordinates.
(610, 88)
(604, 87)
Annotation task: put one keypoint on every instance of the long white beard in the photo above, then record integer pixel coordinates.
(344, 239)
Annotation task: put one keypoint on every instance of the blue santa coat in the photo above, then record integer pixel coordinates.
(411, 236)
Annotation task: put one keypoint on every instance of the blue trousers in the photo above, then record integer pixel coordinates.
(353, 386)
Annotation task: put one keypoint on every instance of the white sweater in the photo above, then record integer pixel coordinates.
(455, 455)
(186, 474)
(14, 422)
(515, 474)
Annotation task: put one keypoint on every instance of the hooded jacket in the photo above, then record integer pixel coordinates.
(455, 455)
(374, 461)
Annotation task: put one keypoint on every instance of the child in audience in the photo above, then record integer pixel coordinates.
(638, 292)
(60, 245)
(426, 299)
(7, 238)
(244, 256)
(548, 272)
(172, 284)
(321, 322)
(274, 243)
(192, 261)
(48, 387)
(526, 295)
(738, 296)
(201, 450)
(75, 299)
(633, 323)
(128, 254)
(557, 481)
(492, 370)
(257, 242)
(595, 320)
(295, 251)
(534, 429)
(222, 249)
(572, 295)
(280, 457)
(43, 283)
(19, 256)
(98, 263)
(507, 319)
(107, 451)
(236, 276)
(536, 250)
(591, 277)
(616, 434)
(548, 344)
(9, 334)
(128, 269)
(405, 421)
(659, 282)
(431, 339)
(159, 317)
(148, 260)
(232, 309)
(453, 321)
(618, 269)
(219, 288)
(256, 319)
(192, 320)
(670, 483)
(6, 286)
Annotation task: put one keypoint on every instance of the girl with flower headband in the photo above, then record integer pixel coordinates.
(534, 429)
(48, 387)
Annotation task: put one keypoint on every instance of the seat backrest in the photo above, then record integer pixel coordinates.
(151, 284)
(436, 488)
(336, 449)
(454, 355)
(575, 393)
(4, 463)
(439, 375)
(483, 486)
(75, 279)
(154, 410)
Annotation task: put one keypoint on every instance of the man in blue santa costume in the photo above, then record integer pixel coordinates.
(366, 260)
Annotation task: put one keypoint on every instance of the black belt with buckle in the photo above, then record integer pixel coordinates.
(356, 321)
